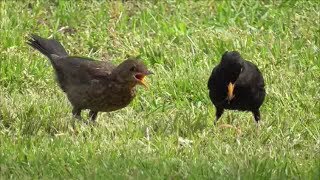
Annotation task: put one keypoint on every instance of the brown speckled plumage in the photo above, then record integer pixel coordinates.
(89, 84)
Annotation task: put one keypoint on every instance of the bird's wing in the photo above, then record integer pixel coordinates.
(98, 69)
(212, 79)
(78, 70)
(249, 77)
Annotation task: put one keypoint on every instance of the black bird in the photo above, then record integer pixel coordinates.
(236, 84)
(95, 85)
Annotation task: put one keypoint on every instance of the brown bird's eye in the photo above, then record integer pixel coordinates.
(133, 68)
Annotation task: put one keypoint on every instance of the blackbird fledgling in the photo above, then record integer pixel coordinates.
(236, 84)
(95, 85)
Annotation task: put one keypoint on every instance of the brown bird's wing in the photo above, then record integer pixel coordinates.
(74, 71)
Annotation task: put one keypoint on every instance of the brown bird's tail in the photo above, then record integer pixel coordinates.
(48, 47)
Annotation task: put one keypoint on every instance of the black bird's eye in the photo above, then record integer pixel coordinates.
(133, 68)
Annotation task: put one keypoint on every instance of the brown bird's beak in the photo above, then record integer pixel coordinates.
(230, 91)
(140, 77)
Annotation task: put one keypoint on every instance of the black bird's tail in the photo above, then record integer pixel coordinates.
(47, 46)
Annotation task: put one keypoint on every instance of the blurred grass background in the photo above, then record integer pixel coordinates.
(167, 132)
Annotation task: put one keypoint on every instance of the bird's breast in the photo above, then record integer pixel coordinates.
(111, 97)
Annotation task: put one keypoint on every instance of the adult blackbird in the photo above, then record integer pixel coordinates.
(236, 84)
(95, 85)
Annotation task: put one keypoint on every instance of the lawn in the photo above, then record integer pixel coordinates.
(167, 132)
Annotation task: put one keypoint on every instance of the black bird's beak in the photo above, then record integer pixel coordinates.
(230, 91)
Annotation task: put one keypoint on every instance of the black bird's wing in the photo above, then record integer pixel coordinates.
(217, 87)
(212, 78)
(250, 84)
(249, 76)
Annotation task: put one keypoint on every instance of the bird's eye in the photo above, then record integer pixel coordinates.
(133, 68)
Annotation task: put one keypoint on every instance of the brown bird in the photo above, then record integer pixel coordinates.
(89, 84)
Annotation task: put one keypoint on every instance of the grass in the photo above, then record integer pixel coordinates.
(167, 132)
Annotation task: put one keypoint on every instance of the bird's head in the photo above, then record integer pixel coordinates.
(132, 72)
(232, 65)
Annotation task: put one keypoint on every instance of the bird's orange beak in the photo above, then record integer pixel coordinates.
(140, 77)
(230, 91)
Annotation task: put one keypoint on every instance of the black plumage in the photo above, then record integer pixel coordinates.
(236, 84)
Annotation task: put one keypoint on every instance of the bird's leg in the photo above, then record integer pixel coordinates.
(256, 115)
(219, 112)
(76, 113)
(93, 115)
